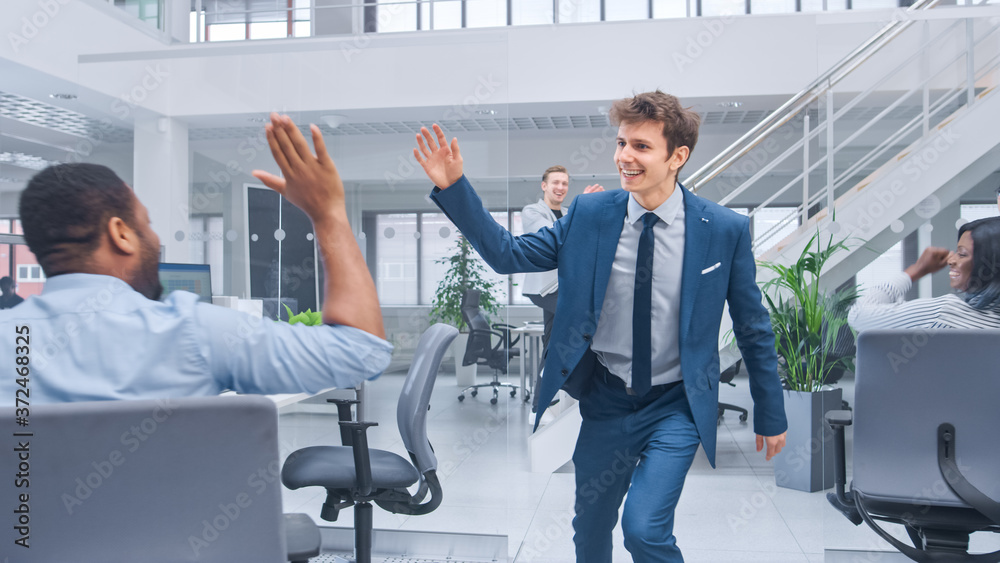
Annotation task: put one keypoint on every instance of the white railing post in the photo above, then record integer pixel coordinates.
(925, 75)
(805, 167)
(970, 64)
(829, 151)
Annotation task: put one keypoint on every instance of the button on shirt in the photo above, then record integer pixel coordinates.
(93, 337)
(613, 337)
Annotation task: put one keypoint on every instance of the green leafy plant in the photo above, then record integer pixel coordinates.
(464, 273)
(307, 317)
(806, 320)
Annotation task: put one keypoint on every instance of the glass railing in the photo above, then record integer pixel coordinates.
(911, 76)
(149, 12)
(226, 20)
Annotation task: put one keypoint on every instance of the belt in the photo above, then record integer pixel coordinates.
(615, 381)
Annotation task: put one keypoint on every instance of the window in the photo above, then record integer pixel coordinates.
(971, 212)
(529, 12)
(206, 234)
(772, 224)
(627, 10)
(30, 273)
(580, 11)
(881, 269)
(408, 248)
(392, 17)
(821, 5)
(772, 6)
(723, 7)
(396, 245)
(672, 9)
(485, 13)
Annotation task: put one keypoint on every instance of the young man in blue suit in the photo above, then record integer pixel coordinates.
(644, 274)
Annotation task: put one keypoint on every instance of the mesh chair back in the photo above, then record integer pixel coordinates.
(191, 479)
(480, 345)
(411, 411)
(908, 382)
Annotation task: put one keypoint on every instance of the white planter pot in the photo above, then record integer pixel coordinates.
(465, 375)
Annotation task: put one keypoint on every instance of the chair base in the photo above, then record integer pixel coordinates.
(723, 407)
(496, 385)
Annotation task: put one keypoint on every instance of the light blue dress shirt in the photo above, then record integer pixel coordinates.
(613, 337)
(93, 337)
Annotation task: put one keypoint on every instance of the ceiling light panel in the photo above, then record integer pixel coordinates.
(59, 119)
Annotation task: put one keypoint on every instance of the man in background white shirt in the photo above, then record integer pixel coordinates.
(542, 287)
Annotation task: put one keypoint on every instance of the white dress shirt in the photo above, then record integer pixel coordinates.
(613, 337)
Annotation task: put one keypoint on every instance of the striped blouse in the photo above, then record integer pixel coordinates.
(883, 307)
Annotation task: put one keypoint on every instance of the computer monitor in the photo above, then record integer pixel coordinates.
(196, 278)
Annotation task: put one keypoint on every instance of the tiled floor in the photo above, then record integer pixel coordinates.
(731, 513)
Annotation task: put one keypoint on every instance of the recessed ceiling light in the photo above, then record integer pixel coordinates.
(486, 111)
(730, 104)
(63, 96)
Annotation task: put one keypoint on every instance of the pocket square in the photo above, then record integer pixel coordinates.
(710, 268)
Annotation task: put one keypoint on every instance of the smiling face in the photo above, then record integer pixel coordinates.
(960, 263)
(646, 166)
(555, 188)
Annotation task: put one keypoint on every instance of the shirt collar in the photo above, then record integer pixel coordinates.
(667, 211)
(542, 202)
(83, 281)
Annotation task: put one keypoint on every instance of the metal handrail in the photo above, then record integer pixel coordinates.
(933, 111)
(799, 102)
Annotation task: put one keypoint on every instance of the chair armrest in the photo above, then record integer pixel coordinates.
(842, 500)
(499, 345)
(344, 415)
(505, 329)
(362, 457)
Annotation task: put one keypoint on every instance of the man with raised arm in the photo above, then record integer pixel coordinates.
(97, 331)
(644, 273)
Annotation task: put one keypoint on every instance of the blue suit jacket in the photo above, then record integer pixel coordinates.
(718, 267)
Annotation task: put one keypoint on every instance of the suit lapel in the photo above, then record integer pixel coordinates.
(608, 233)
(697, 240)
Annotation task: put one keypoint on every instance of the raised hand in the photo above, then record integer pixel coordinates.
(442, 163)
(311, 182)
(932, 260)
(593, 188)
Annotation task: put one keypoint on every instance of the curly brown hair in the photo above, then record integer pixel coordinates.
(680, 124)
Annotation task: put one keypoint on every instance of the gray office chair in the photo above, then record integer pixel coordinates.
(926, 440)
(726, 377)
(357, 476)
(481, 350)
(191, 479)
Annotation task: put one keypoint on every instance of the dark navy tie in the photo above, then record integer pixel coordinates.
(642, 351)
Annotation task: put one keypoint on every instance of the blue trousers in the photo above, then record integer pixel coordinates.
(640, 445)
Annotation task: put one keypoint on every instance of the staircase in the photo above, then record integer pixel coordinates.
(869, 154)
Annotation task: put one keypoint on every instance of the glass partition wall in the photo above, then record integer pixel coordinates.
(519, 102)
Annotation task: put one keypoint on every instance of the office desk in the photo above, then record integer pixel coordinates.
(531, 347)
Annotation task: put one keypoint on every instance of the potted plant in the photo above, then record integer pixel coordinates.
(464, 273)
(807, 322)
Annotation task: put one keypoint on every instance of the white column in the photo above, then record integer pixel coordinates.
(162, 181)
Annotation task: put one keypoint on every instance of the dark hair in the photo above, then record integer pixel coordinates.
(64, 211)
(6, 282)
(985, 253)
(551, 169)
(680, 125)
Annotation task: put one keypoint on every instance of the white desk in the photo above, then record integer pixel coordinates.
(531, 347)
